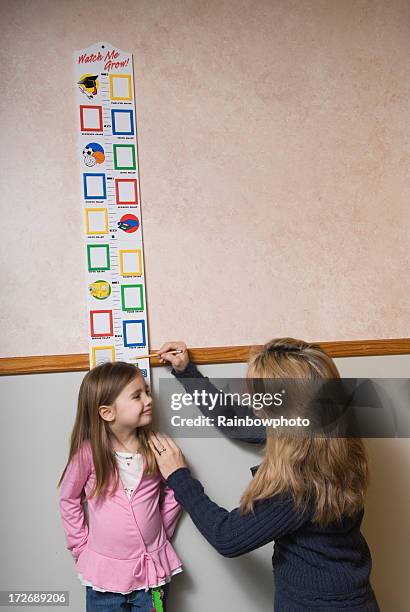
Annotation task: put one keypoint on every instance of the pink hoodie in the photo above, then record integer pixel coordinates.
(123, 544)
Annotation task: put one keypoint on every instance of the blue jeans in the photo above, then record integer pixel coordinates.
(136, 601)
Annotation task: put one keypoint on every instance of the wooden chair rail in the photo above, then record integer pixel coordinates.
(205, 355)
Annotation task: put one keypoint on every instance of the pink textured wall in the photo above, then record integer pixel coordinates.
(274, 162)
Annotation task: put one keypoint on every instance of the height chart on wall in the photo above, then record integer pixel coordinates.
(110, 197)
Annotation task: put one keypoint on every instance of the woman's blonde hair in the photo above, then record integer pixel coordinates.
(330, 473)
(101, 386)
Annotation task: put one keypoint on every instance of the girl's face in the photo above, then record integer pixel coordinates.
(133, 406)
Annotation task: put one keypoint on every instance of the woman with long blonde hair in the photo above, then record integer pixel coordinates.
(307, 495)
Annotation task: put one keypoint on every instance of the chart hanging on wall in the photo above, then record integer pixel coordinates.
(110, 198)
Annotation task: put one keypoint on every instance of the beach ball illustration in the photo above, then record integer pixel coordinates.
(93, 154)
(100, 289)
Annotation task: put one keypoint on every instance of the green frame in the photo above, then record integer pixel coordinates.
(122, 146)
(98, 246)
(141, 289)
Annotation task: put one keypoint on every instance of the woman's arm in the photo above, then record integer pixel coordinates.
(192, 380)
(228, 532)
(71, 508)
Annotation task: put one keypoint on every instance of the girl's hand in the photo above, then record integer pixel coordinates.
(168, 455)
(179, 362)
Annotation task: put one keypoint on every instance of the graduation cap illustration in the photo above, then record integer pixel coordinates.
(89, 82)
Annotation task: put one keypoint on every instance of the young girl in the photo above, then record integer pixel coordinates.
(120, 540)
(307, 494)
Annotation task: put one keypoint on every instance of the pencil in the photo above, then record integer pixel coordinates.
(176, 352)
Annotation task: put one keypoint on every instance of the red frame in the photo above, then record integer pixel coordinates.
(117, 193)
(83, 129)
(94, 335)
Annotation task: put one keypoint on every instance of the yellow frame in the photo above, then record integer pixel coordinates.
(136, 273)
(120, 76)
(94, 349)
(87, 210)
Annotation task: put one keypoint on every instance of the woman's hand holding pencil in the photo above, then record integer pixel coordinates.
(183, 351)
(175, 353)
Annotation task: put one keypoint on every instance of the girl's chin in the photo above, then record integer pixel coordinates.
(145, 419)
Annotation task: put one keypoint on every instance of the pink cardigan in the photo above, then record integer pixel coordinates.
(123, 544)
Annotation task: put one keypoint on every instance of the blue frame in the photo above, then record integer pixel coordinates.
(114, 129)
(124, 332)
(93, 197)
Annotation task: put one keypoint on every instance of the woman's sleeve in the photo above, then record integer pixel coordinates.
(192, 380)
(228, 532)
(71, 508)
(170, 509)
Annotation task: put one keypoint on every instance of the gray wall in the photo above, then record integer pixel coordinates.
(37, 416)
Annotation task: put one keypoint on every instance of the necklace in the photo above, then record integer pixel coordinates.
(126, 451)
(134, 452)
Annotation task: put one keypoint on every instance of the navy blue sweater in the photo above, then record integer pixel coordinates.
(315, 568)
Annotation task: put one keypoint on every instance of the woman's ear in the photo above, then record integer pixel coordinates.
(106, 412)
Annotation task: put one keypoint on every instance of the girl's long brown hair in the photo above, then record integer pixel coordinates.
(101, 386)
(330, 473)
